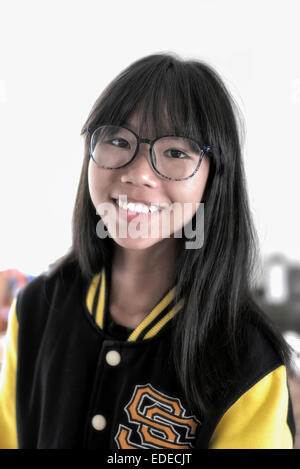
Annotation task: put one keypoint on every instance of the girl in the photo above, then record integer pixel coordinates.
(151, 341)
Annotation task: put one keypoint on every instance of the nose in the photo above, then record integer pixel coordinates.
(140, 171)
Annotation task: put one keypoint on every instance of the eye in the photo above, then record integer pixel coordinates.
(119, 142)
(174, 153)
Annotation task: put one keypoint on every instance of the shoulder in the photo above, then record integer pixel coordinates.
(43, 307)
(258, 399)
(47, 290)
(262, 349)
(260, 366)
(261, 352)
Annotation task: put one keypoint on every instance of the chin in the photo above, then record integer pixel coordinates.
(137, 243)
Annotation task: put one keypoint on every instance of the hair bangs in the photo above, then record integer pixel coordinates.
(167, 107)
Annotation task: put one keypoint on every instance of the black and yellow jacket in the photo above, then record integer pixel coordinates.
(72, 378)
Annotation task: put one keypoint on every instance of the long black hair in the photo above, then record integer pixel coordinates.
(216, 280)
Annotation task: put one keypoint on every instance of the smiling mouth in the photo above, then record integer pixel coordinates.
(138, 208)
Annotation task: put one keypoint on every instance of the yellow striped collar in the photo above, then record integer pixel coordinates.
(97, 302)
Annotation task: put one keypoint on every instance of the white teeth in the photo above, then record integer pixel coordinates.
(138, 207)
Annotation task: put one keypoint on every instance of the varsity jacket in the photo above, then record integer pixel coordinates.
(72, 378)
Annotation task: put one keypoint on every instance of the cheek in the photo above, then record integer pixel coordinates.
(99, 183)
(188, 195)
(194, 187)
(191, 190)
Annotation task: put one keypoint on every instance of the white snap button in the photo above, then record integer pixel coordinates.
(113, 358)
(99, 422)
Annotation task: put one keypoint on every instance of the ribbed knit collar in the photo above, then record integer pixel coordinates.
(97, 302)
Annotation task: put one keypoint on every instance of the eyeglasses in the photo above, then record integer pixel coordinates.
(172, 157)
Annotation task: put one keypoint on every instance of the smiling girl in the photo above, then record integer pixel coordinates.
(133, 341)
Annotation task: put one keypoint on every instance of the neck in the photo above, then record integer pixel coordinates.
(140, 278)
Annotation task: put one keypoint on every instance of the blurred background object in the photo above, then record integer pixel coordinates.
(276, 280)
(278, 293)
(11, 281)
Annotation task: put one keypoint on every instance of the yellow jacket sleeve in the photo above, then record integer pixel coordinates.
(8, 429)
(259, 418)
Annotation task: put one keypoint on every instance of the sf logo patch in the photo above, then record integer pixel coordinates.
(157, 421)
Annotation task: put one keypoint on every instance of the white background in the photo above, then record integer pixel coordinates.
(57, 56)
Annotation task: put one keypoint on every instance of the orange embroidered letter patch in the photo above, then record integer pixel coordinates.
(158, 421)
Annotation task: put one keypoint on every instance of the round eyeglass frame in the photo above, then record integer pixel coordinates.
(206, 149)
